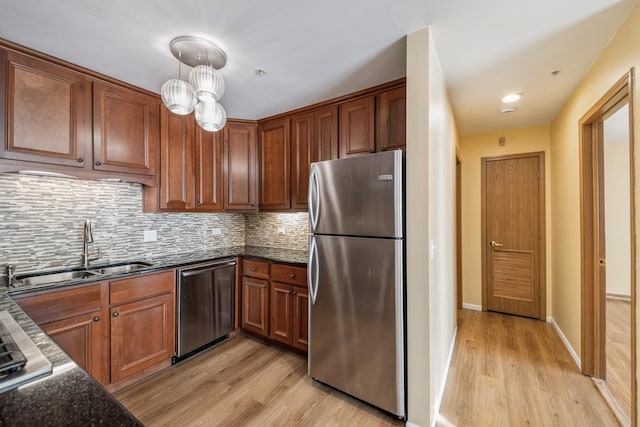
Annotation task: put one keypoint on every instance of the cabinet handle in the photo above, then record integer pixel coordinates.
(98, 163)
(96, 319)
(79, 160)
(116, 314)
(292, 276)
(292, 292)
(253, 269)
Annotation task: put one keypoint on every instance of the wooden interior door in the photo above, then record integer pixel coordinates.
(513, 238)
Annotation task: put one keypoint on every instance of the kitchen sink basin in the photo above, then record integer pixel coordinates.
(42, 278)
(121, 268)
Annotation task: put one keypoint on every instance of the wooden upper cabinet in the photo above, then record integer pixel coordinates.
(208, 190)
(303, 153)
(45, 112)
(239, 167)
(125, 130)
(391, 119)
(176, 161)
(326, 134)
(273, 143)
(357, 129)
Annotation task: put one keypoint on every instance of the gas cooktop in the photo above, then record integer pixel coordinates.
(20, 360)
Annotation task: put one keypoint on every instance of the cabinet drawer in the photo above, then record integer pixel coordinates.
(139, 287)
(289, 274)
(255, 269)
(57, 305)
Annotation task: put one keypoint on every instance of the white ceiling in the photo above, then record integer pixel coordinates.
(314, 51)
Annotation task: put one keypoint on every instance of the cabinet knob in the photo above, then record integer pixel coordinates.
(253, 269)
(188, 203)
(96, 319)
(199, 204)
(292, 276)
(98, 163)
(116, 314)
(79, 160)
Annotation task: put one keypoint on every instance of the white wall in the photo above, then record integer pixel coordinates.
(617, 203)
(431, 312)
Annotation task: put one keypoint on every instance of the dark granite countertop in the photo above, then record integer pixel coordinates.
(69, 396)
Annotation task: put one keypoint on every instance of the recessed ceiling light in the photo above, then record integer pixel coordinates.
(554, 73)
(261, 71)
(507, 110)
(512, 97)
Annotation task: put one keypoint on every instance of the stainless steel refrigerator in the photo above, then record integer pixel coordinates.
(356, 278)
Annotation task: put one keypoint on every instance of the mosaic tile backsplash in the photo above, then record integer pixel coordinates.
(278, 230)
(42, 221)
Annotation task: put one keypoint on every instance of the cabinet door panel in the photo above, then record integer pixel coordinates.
(302, 155)
(357, 127)
(142, 334)
(46, 111)
(280, 314)
(274, 154)
(176, 161)
(326, 134)
(300, 333)
(125, 130)
(255, 305)
(208, 170)
(391, 120)
(83, 339)
(240, 167)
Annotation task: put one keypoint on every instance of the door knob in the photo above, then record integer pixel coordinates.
(496, 244)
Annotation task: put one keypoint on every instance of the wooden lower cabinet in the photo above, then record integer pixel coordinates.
(289, 315)
(76, 319)
(255, 305)
(142, 335)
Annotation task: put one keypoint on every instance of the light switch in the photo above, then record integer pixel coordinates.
(216, 232)
(150, 235)
(281, 230)
(433, 249)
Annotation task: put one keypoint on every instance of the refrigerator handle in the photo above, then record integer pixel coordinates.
(313, 273)
(314, 210)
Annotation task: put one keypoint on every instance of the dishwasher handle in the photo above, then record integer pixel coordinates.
(207, 267)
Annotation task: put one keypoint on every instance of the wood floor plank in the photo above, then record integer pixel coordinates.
(513, 371)
(618, 352)
(245, 382)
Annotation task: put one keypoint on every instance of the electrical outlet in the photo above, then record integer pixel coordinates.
(150, 235)
(216, 232)
(281, 230)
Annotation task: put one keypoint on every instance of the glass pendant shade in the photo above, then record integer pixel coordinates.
(207, 83)
(178, 96)
(210, 115)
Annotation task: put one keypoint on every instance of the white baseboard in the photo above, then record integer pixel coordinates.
(566, 343)
(436, 408)
(410, 424)
(472, 307)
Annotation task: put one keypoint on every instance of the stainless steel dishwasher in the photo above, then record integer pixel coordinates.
(206, 299)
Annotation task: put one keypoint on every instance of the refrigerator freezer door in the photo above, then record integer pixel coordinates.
(358, 196)
(356, 341)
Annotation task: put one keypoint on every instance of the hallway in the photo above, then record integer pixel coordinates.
(513, 371)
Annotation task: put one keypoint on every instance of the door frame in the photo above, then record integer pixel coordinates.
(593, 286)
(458, 229)
(542, 247)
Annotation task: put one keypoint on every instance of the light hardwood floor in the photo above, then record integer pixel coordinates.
(244, 382)
(618, 351)
(512, 371)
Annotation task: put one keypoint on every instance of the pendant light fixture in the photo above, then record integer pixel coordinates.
(178, 95)
(205, 81)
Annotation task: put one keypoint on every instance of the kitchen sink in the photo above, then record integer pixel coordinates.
(41, 278)
(120, 268)
(44, 278)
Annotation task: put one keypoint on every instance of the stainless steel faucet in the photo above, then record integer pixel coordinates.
(11, 275)
(88, 238)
